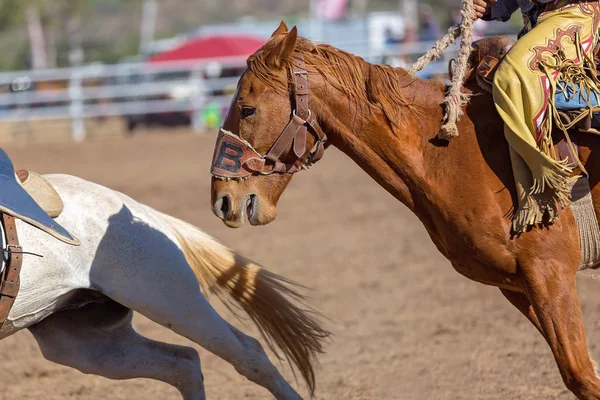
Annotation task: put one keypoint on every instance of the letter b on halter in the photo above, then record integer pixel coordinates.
(229, 157)
(234, 158)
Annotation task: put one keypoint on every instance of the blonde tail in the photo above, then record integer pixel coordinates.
(262, 294)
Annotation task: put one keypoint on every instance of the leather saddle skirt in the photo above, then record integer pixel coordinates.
(16, 201)
(488, 54)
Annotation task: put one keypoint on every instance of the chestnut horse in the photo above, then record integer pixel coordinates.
(462, 191)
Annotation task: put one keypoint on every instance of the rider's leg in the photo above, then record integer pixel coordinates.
(521, 92)
(520, 88)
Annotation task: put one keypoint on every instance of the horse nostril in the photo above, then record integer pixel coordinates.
(226, 206)
(222, 207)
(251, 206)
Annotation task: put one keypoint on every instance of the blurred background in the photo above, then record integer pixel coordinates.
(84, 67)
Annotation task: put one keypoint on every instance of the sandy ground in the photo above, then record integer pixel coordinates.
(406, 325)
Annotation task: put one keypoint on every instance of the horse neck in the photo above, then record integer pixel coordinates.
(392, 155)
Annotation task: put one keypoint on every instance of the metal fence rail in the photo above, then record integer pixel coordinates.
(143, 88)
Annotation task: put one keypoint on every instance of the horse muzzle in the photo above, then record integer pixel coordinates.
(235, 213)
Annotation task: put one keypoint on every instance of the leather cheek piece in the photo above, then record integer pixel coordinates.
(300, 141)
(234, 158)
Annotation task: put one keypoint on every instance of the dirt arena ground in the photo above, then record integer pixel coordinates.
(405, 324)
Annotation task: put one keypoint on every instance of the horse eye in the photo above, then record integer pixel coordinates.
(247, 111)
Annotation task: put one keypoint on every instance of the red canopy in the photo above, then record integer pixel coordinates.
(211, 47)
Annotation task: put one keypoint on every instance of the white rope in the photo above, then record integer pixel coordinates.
(437, 50)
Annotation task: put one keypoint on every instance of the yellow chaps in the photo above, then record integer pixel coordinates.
(558, 49)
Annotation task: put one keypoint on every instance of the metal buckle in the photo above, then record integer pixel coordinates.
(307, 117)
(7, 251)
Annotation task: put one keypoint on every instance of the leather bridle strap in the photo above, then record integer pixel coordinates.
(301, 88)
(321, 144)
(295, 130)
(302, 120)
(10, 281)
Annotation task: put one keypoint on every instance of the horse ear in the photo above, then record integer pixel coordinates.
(284, 49)
(282, 28)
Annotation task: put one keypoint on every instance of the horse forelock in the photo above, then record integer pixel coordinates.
(363, 83)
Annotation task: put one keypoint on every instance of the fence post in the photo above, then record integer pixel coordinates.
(198, 99)
(76, 106)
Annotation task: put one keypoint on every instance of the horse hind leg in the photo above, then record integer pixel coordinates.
(550, 302)
(171, 297)
(99, 339)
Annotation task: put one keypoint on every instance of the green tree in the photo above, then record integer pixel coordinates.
(45, 20)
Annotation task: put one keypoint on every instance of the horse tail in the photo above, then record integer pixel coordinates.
(272, 302)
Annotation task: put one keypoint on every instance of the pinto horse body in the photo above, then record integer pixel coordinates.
(463, 192)
(78, 301)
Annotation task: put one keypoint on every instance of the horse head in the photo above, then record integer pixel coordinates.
(269, 133)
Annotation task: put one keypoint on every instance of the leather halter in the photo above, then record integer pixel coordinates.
(235, 158)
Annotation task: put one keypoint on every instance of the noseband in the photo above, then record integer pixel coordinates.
(235, 158)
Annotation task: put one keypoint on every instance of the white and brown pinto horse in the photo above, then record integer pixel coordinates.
(387, 122)
(78, 301)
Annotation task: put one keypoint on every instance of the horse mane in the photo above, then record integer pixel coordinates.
(363, 83)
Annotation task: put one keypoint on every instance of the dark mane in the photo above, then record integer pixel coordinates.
(364, 83)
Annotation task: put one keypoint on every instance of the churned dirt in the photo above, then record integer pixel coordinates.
(405, 324)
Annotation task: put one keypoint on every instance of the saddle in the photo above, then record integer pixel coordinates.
(42, 192)
(485, 58)
(27, 196)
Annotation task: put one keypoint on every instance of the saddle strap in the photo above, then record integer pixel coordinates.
(9, 280)
(568, 151)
